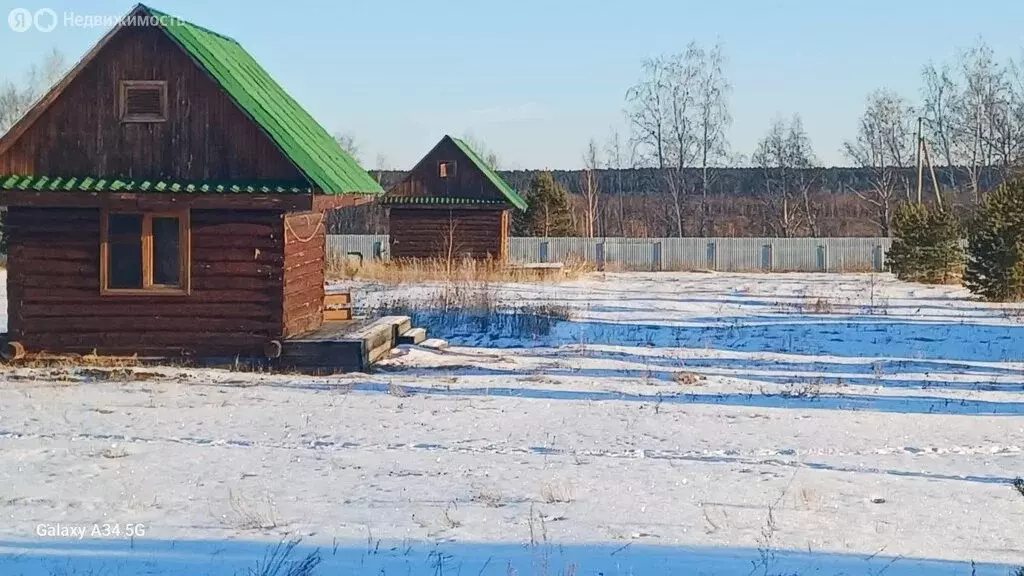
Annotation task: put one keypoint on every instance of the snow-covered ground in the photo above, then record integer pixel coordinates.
(674, 424)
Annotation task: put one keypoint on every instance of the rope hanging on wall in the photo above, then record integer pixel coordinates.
(288, 228)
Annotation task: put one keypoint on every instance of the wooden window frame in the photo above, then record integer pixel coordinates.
(449, 171)
(148, 287)
(122, 100)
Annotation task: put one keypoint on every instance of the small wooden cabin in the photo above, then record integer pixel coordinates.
(167, 197)
(451, 205)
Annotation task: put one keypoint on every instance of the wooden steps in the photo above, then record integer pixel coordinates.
(348, 346)
(413, 336)
(337, 306)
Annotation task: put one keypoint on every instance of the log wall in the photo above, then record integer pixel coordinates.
(419, 232)
(234, 307)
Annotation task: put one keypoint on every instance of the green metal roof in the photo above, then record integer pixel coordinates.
(302, 139)
(99, 184)
(513, 197)
(436, 200)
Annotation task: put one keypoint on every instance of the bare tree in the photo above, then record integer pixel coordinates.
(647, 109)
(939, 102)
(713, 119)
(616, 155)
(982, 82)
(884, 145)
(1006, 120)
(784, 155)
(486, 154)
(681, 152)
(591, 190)
(348, 144)
(17, 98)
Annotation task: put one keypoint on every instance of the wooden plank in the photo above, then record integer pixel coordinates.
(412, 336)
(103, 307)
(337, 315)
(41, 281)
(90, 296)
(211, 242)
(247, 216)
(228, 228)
(60, 267)
(253, 269)
(239, 255)
(43, 253)
(236, 283)
(144, 324)
(337, 299)
(54, 341)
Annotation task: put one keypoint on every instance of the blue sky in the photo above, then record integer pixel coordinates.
(535, 80)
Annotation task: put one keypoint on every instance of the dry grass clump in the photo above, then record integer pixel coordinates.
(463, 270)
(476, 308)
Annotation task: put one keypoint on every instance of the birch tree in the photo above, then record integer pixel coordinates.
(647, 110)
(713, 119)
(591, 190)
(785, 157)
(17, 98)
(617, 162)
(884, 146)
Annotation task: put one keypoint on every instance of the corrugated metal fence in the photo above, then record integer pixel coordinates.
(724, 254)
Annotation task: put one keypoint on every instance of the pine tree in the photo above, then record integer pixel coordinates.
(926, 244)
(995, 252)
(549, 212)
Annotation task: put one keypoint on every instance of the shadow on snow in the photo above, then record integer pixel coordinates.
(235, 557)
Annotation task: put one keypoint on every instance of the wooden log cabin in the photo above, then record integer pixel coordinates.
(451, 205)
(167, 197)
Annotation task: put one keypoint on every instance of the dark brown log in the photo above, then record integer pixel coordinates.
(143, 324)
(240, 255)
(253, 269)
(245, 229)
(12, 351)
(66, 254)
(235, 283)
(272, 349)
(161, 308)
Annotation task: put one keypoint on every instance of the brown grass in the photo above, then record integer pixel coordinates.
(466, 270)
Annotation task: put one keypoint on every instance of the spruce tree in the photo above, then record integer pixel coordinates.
(549, 212)
(995, 252)
(926, 244)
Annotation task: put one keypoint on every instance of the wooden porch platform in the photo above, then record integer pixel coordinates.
(346, 345)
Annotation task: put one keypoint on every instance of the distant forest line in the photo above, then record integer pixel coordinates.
(637, 202)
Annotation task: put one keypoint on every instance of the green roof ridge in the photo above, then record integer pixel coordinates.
(302, 139)
(510, 193)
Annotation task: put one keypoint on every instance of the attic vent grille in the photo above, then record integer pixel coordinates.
(143, 101)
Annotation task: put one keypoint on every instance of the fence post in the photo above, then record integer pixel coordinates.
(544, 251)
(766, 257)
(599, 249)
(656, 264)
(823, 257)
(712, 256)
